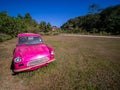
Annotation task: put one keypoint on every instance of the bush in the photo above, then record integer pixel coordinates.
(50, 33)
(54, 32)
(5, 37)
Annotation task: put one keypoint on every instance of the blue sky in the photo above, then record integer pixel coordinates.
(57, 12)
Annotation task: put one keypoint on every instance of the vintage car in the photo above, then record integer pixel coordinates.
(31, 53)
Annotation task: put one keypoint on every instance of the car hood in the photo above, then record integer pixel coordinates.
(31, 50)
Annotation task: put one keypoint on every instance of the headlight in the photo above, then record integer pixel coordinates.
(17, 60)
(52, 52)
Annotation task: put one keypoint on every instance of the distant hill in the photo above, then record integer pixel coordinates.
(107, 21)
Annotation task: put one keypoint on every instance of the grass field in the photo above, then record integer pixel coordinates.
(82, 63)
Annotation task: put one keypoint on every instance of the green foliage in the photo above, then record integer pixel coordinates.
(56, 32)
(21, 24)
(102, 22)
(110, 19)
(48, 27)
(27, 16)
(4, 37)
(51, 33)
(44, 27)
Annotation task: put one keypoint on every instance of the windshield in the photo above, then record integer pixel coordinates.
(30, 40)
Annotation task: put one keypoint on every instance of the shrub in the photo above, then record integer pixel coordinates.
(5, 37)
(50, 33)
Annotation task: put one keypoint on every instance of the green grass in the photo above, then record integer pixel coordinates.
(82, 63)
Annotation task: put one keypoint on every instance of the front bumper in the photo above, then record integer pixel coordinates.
(33, 67)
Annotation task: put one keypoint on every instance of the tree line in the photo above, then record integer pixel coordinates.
(21, 24)
(103, 21)
(98, 21)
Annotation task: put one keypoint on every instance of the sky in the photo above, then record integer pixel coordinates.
(57, 12)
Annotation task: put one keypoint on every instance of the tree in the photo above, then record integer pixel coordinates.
(4, 22)
(48, 27)
(94, 8)
(110, 19)
(107, 21)
(28, 16)
(20, 16)
(42, 26)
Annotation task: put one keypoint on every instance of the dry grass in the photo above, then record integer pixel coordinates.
(82, 63)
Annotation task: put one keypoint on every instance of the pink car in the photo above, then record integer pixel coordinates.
(31, 53)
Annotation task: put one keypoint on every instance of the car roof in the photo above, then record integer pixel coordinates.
(28, 34)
